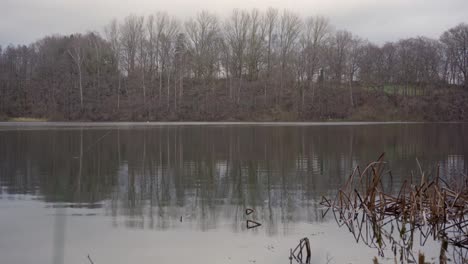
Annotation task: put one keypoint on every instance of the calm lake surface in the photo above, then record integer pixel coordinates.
(177, 193)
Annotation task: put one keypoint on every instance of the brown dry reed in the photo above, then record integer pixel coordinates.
(435, 208)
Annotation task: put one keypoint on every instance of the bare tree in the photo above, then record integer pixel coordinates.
(167, 45)
(76, 53)
(203, 31)
(151, 47)
(339, 53)
(289, 31)
(314, 37)
(270, 24)
(181, 59)
(456, 42)
(255, 44)
(130, 31)
(373, 64)
(356, 51)
(162, 20)
(142, 54)
(236, 29)
(112, 34)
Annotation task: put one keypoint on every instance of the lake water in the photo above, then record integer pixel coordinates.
(177, 193)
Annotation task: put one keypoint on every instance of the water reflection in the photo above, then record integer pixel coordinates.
(150, 177)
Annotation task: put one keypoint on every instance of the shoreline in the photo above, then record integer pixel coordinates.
(206, 123)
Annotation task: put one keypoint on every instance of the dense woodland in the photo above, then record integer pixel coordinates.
(251, 65)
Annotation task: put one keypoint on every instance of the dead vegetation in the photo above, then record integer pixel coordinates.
(301, 254)
(421, 209)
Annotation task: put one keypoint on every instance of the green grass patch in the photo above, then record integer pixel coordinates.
(399, 89)
(27, 119)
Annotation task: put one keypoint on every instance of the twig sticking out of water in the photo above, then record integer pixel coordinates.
(297, 253)
(90, 260)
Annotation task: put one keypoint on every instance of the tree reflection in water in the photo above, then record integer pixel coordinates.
(150, 177)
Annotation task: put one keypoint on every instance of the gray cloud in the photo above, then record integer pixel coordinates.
(24, 21)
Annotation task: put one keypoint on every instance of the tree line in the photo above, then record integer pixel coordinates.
(251, 65)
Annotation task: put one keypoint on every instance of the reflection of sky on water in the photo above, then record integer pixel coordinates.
(27, 224)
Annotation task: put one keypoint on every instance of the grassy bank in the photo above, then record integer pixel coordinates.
(24, 119)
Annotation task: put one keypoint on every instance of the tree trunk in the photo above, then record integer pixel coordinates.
(175, 91)
(160, 85)
(81, 87)
(78, 61)
(144, 87)
(118, 94)
(181, 83)
(168, 87)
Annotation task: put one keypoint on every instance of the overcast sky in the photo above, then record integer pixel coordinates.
(25, 21)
